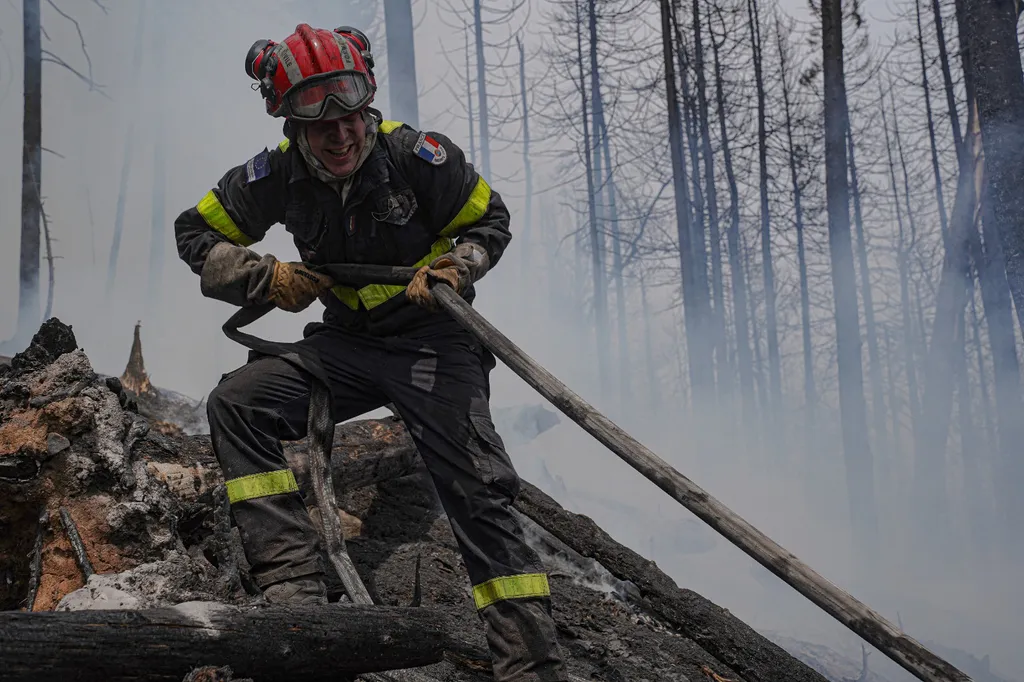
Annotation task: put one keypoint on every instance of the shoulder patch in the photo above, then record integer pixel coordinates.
(430, 150)
(258, 166)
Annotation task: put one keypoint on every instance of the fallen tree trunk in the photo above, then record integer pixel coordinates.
(265, 643)
(717, 631)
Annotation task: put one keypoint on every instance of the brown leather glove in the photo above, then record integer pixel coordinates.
(459, 268)
(294, 286)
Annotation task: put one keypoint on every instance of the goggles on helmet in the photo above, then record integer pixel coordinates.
(349, 90)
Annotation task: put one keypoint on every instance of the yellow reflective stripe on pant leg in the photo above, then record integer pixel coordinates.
(472, 211)
(373, 295)
(216, 216)
(511, 587)
(261, 485)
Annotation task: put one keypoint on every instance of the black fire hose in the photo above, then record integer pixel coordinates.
(839, 604)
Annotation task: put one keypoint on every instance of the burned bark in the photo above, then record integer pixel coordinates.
(744, 359)
(31, 172)
(403, 90)
(810, 392)
(719, 632)
(853, 417)
(767, 264)
(268, 643)
(995, 76)
(698, 350)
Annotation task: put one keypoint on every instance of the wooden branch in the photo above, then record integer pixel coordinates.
(54, 59)
(842, 606)
(78, 27)
(35, 567)
(77, 546)
(321, 436)
(269, 643)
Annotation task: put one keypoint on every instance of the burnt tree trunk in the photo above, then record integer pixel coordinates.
(810, 392)
(870, 328)
(926, 87)
(744, 358)
(717, 320)
(700, 258)
(481, 91)
(719, 632)
(903, 264)
(590, 152)
(618, 270)
(947, 78)
(158, 217)
(402, 85)
(945, 345)
(767, 266)
(701, 378)
(31, 174)
(856, 449)
(524, 260)
(998, 86)
(469, 104)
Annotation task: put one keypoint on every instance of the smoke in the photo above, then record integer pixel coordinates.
(196, 99)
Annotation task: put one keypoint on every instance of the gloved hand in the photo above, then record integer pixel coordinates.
(294, 286)
(241, 277)
(458, 268)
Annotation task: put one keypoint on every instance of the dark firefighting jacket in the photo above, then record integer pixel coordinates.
(412, 198)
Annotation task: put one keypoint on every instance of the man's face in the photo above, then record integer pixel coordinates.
(338, 142)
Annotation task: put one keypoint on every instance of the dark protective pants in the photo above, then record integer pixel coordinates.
(437, 378)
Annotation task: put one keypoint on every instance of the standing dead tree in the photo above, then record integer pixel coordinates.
(32, 211)
(990, 29)
(402, 86)
(738, 279)
(856, 449)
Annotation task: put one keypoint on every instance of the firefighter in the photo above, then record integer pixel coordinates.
(352, 187)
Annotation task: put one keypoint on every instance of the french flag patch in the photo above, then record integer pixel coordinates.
(429, 149)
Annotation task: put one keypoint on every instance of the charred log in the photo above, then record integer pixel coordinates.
(268, 643)
(718, 632)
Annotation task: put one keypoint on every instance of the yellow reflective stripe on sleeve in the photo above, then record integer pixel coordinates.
(389, 126)
(284, 144)
(472, 211)
(511, 587)
(217, 217)
(261, 485)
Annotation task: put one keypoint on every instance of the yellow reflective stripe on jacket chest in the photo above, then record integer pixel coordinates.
(473, 210)
(372, 295)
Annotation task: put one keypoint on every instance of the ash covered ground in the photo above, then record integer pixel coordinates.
(127, 473)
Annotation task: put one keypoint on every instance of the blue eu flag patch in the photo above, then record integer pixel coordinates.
(258, 166)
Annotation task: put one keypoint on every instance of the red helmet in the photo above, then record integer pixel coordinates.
(312, 67)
